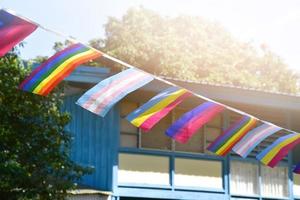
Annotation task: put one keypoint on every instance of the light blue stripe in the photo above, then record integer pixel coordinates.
(249, 135)
(153, 101)
(271, 132)
(134, 87)
(86, 96)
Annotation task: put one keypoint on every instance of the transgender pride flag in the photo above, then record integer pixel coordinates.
(187, 125)
(254, 138)
(108, 92)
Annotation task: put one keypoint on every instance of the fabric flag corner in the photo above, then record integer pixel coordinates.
(13, 30)
(146, 116)
(186, 126)
(274, 153)
(108, 92)
(224, 143)
(297, 169)
(48, 75)
(253, 138)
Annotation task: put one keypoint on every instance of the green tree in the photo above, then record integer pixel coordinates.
(34, 147)
(193, 48)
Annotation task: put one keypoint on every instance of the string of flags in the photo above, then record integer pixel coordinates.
(241, 137)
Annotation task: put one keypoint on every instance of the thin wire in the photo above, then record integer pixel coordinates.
(41, 26)
(170, 83)
(136, 68)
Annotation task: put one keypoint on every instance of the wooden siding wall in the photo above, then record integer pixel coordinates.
(95, 142)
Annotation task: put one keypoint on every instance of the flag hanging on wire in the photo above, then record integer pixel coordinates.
(44, 78)
(224, 143)
(187, 125)
(279, 149)
(108, 92)
(146, 116)
(12, 31)
(254, 138)
(297, 169)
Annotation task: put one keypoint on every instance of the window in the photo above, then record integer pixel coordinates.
(297, 185)
(244, 178)
(274, 181)
(194, 144)
(129, 133)
(143, 169)
(198, 173)
(193, 173)
(211, 131)
(156, 138)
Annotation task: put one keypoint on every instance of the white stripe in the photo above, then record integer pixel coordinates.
(112, 90)
(252, 140)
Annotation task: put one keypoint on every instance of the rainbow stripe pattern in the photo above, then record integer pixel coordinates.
(224, 143)
(146, 116)
(297, 169)
(279, 149)
(108, 92)
(47, 76)
(187, 125)
(254, 138)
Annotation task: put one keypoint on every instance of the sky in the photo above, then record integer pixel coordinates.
(275, 23)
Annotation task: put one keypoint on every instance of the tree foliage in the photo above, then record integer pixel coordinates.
(193, 48)
(34, 146)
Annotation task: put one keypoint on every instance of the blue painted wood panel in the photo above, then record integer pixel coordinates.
(168, 194)
(95, 142)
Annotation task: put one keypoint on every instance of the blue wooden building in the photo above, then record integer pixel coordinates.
(131, 164)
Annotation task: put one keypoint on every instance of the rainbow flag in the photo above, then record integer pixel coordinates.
(156, 108)
(254, 138)
(12, 31)
(279, 149)
(297, 169)
(108, 92)
(224, 143)
(44, 78)
(186, 126)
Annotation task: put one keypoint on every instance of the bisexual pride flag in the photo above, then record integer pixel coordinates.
(12, 31)
(187, 125)
(101, 98)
